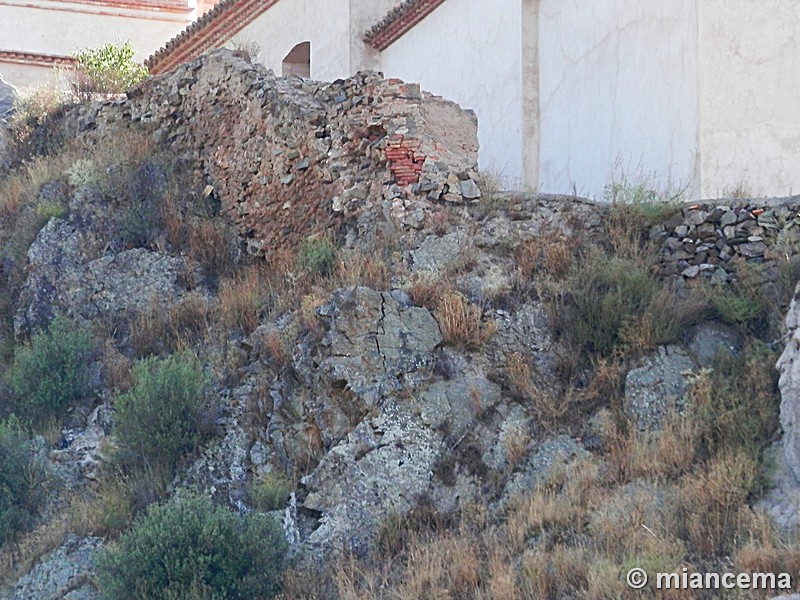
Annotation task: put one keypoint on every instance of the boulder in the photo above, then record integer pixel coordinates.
(374, 338)
(66, 277)
(381, 469)
(709, 341)
(552, 454)
(658, 388)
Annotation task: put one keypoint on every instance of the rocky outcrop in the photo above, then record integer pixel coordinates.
(68, 277)
(789, 367)
(65, 573)
(658, 388)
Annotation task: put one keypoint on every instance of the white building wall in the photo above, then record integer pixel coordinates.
(750, 112)
(618, 93)
(469, 51)
(61, 28)
(26, 77)
(363, 15)
(289, 22)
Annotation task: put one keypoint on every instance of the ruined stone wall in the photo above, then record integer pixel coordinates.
(290, 158)
(714, 241)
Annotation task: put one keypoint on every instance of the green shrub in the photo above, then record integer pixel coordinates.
(52, 371)
(270, 492)
(190, 549)
(164, 417)
(317, 257)
(22, 473)
(107, 70)
(733, 306)
(737, 404)
(605, 294)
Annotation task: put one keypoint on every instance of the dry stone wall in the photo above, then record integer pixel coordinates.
(289, 158)
(714, 241)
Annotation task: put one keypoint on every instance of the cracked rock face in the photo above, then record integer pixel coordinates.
(376, 344)
(380, 469)
(383, 420)
(374, 339)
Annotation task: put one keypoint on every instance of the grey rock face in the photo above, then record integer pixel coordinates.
(789, 367)
(658, 387)
(8, 95)
(66, 277)
(436, 254)
(64, 573)
(710, 340)
(554, 453)
(384, 421)
(373, 340)
(379, 470)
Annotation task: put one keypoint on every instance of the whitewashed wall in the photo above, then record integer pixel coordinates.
(618, 93)
(61, 28)
(27, 77)
(470, 51)
(750, 103)
(289, 22)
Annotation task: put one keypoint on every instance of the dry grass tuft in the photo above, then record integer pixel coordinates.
(550, 407)
(462, 323)
(210, 246)
(244, 298)
(426, 290)
(713, 502)
(159, 330)
(552, 253)
(356, 268)
(658, 455)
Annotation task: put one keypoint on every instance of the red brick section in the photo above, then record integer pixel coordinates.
(211, 30)
(399, 21)
(405, 160)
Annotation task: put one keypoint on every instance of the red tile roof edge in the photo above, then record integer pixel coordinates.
(399, 21)
(36, 58)
(164, 5)
(214, 28)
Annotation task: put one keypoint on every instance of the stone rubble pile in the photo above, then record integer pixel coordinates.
(289, 158)
(704, 241)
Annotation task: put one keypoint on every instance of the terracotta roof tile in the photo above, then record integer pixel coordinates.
(36, 58)
(212, 30)
(399, 21)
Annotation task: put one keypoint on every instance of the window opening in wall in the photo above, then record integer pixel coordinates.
(298, 61)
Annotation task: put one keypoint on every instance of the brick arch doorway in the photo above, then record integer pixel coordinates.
(298, 61)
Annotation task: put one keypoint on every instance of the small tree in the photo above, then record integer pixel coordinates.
(165, 416)
(189, 548)
(109, 69)
(52, 371)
